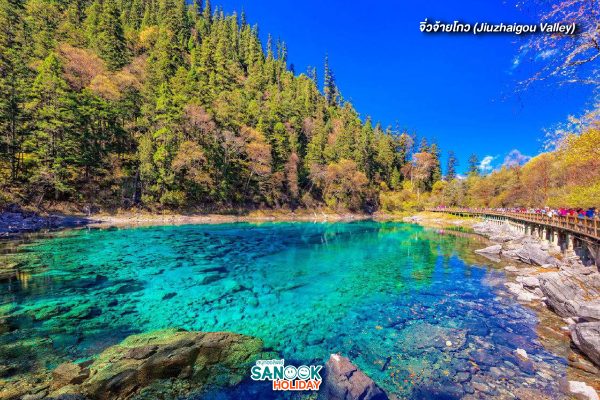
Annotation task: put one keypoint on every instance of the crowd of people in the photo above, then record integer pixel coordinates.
(562, 212)
(591, 213)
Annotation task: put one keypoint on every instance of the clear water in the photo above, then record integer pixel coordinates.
(387, 295)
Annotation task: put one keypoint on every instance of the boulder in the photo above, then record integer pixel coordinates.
(152, 362)
(344, 381)
(530, 282)
(590, 311)
(586, 336)
(502, 237)
(424, 336)
(582, 391)
(522, 354)
(496, 249)
(521, 293)
(532, 253)
(567, 292)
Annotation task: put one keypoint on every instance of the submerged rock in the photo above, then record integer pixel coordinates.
(8, 271)
(69, 374)
(582, 391)
(344, 381)
(163, 364)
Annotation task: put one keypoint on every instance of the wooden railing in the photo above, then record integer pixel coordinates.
(589, 227)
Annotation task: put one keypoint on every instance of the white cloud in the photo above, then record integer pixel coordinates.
(514, 158)
(485, 166)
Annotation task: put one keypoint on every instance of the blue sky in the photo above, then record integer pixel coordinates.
(459, 90)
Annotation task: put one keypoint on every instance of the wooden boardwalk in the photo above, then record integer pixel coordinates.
(589, 228)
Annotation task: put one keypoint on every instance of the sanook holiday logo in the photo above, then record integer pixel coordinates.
(287, 377)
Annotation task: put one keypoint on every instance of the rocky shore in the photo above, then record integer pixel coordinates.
(560, 281)
(14, 221)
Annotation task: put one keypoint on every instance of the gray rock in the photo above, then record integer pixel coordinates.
(344, 381)
(590, 311)
(530, 282)
(567, 292)
(480, 387)
(532, 253)
(521, 293)
(496, 249)
(502, 237)
(586, 336)
(35, 396)
(581, 391)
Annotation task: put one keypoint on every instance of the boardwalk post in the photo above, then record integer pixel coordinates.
(570, 242)
(555, 240)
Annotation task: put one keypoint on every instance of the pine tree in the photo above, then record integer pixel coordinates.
(136, 14)
(329, 86)
(54, 142)
(110, 40)
(207, 12)
(214, 119)
(451, 165)
(13, 83)
(436, 174)
(473, 165)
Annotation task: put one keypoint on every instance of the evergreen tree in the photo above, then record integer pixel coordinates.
(451, 165)
(207, 12)
(473, 165)
(13, 83)
(54, 142)
(160, 103)
(329, 86)
(436, 174)
(110, 40)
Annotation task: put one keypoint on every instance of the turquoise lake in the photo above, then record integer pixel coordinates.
(413, 308)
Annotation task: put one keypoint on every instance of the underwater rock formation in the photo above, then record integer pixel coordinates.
(161, 364)
(344, 381)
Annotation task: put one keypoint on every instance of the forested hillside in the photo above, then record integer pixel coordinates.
(156, 103)
(161, 104)
(568, 176)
